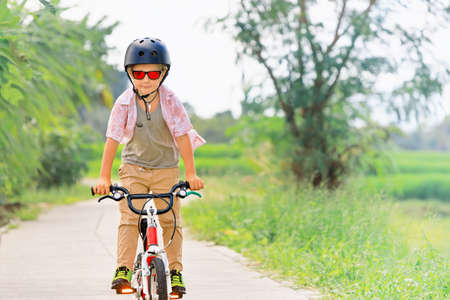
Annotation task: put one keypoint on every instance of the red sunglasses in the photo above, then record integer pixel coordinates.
(153, 75)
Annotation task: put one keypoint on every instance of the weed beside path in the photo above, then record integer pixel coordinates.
(344, 242)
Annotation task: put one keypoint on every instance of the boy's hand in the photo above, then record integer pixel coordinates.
(194, 182)
(102, 187)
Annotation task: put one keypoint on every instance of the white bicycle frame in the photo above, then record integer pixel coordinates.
(153, 250)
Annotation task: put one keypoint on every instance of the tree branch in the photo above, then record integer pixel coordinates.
(336, 33)
(347, 55)
(318, 66)
(300, 56)
(287, 108)
(309, 36)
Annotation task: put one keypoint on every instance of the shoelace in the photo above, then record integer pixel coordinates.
(176, 277)
(122, 272)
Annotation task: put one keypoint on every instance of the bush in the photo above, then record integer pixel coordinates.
(60, 65)
(65, 156)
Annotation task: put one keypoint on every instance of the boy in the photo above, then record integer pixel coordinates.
(153, 124)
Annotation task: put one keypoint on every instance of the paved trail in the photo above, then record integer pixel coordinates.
(69, 253)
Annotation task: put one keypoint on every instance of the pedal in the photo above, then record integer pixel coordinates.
(125, 291)
(176, 295)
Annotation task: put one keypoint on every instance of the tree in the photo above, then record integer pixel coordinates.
(325, 72)
(49, 67)
(214, 129)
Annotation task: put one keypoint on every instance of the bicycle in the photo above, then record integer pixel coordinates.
(151, 275)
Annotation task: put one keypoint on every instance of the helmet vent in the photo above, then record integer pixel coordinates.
(152, 41)
(141, 41)
(141, 53)
(154, 53)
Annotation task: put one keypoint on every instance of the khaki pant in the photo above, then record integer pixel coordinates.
(140, 180)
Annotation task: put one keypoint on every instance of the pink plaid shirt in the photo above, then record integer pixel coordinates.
(122, 119)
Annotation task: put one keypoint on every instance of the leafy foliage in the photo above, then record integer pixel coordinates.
(64, 155)
(326, 77)
(212, 129)
(49, 67)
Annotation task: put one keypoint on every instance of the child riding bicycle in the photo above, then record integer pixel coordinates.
(153, 124)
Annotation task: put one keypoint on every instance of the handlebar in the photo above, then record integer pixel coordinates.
(119, 193)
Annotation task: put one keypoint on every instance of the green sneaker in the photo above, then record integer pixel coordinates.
(122, 278)
(176, 279)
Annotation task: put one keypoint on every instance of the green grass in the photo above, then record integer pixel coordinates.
(210, 159)
(423, 223)
(406, 186)
(34, 201)
(351, 243)
(419, 175)
(421, 162)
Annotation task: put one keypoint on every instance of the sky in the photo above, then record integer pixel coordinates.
(203, 70)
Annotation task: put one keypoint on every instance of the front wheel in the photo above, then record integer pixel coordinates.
(157, 281)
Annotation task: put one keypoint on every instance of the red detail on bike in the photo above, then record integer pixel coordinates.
(152, 236)
(149, 259)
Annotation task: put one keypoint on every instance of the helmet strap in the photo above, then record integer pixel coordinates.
(143, 97)
(147, 103)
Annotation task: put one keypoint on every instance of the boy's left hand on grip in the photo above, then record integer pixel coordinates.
(195, 182)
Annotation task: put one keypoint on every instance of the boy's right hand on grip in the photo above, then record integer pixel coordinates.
(102, 186)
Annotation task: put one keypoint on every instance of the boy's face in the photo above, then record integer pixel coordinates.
(146, 85)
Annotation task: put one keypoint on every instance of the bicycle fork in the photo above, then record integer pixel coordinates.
(154, 239)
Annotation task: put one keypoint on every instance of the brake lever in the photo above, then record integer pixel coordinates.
(104, 197)
(182, 193)
(117, 196)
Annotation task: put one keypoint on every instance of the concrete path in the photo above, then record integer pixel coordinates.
(69, 253)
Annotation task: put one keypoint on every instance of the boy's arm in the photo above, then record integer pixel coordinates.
(109, 153)
(185, 147)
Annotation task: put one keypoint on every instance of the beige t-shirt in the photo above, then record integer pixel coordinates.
(152, 145)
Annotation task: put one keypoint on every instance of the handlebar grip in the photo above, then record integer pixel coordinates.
(92, 191)
(194, 193)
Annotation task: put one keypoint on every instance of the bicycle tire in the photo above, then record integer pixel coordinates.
(157, 280)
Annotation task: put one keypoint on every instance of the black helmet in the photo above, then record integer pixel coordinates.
(147, 51)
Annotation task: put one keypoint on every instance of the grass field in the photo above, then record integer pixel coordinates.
(418, 175)
(423, 223)
(210, 159)
(351, 244)
(357, 242)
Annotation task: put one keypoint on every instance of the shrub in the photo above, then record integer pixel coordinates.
(65, 154)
